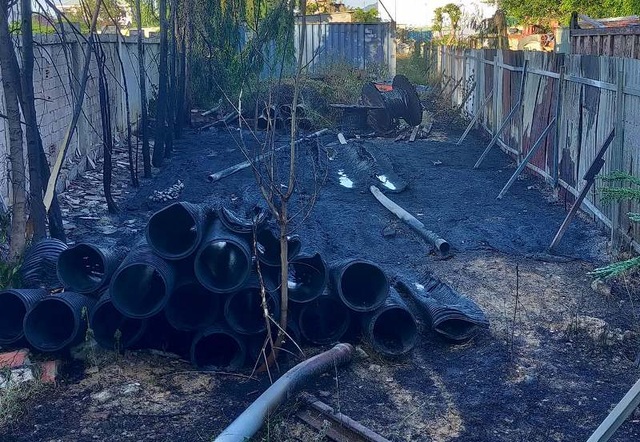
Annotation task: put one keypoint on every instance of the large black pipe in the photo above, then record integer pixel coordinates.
(192, 307)
(450, 314)
(243, 225)
(269, 247)
(218, 347)
(391, 329)
(308, 277)
(243, 309)
(324, 320)
(223, 262)
(111, 329)
(141, 286)
(361, 284)
(249, 422)
(14, 305)
(57, 322)
(176, 231)
(38, 268)
(86, 268)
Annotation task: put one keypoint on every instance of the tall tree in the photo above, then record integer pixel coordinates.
(144, 122)
(454, 13)
(159, 144)
(34, 142)
(11, 87)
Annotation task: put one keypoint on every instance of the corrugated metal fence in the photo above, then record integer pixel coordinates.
(589, 95)
(364, 45)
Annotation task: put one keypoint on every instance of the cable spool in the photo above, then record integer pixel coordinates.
(401, 101)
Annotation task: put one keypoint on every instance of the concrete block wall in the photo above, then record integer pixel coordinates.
(57, 70)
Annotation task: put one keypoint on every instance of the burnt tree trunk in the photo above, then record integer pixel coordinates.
(10, 87)
(107, 138)
(132, 168)
(37, 212)
(159, 147)
(171, 107)
(144, 121)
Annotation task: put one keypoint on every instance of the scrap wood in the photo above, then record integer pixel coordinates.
(245, 164)
(335, 425)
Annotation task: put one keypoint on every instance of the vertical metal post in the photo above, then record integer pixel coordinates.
(556, 143)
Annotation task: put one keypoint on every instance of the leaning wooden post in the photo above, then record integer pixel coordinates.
(515, 108)
(478, 114)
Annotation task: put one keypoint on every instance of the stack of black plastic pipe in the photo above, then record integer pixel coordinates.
(198, 285)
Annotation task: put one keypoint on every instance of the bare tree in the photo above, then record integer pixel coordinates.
(159, 146)
(11, 87)
(144, 122)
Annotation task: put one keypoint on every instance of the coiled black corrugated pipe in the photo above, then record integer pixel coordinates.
(39, 267)
(191, 306)
(86, 268)
(269, 247)
(324, 320)
(176, 231)
(111, 329)
(244, 225)
(249, 422)
(141, 286)
(361, 284)
(223, 262)
(391, 329)
(243, 309)
(450, 314)
(14, 305)
(218, 347)
(308, 278)
(57, 322)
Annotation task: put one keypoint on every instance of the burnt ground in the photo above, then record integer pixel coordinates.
(558, 356)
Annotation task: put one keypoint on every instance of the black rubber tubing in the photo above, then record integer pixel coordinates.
(223, 261)
(243, 309)
(308, 278)
(324, 320)
(14, 305)
(86, 268)
(362, 285)
(191, 306)
(176, 231)
(111, 329)
(38, 268)
(243, 225)
(269, 247)
(391, 329)
(218, 347)
(141, 286)
(57, 322)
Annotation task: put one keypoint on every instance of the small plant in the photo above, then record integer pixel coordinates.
(631, 192)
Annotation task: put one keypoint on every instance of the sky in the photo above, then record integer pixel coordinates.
(420, 12)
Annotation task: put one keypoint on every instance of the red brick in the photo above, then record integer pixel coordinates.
(49, 371)
(14, 359)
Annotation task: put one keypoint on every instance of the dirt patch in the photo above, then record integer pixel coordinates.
(531, 377)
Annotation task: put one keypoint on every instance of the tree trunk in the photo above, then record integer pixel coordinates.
(11, 86)
(107, 138)
(144, 121)
(37, 211)
(160, 140)
(180, 91)
(172, 110)
(132, 168)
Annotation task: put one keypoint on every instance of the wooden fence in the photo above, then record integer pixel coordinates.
(587, 95)
(617, 42)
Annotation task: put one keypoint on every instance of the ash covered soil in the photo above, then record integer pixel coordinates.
(558, 356)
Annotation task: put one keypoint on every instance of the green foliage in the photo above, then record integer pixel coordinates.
(628, 193)
(414, 67)
(148, 13)
(361, 16)
(109, 11)
(542, 11)
(438, 20)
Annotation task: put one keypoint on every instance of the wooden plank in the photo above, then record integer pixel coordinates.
(475, 118)
(617, 150)
(628, 30)
(618, 415)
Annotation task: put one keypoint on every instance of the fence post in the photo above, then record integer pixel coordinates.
(556, 142)
(617, 152)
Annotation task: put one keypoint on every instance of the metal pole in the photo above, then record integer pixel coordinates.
(556, 144)
(589, 177)
(618, 415)
(475, 118)
(526, 159)
(506, 120)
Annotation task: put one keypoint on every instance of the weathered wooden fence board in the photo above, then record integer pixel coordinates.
(592, 103)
